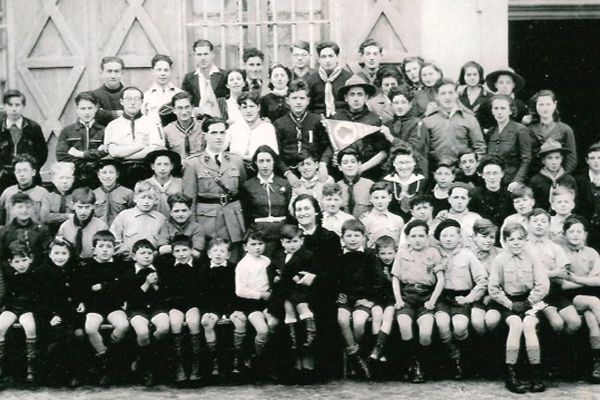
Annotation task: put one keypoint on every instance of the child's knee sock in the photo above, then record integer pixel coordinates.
(533, 354)
(260, 343)
(512, 355)
(238, 340)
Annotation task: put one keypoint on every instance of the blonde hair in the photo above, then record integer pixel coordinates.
(62, 167)
(143, 187)
(562, 190)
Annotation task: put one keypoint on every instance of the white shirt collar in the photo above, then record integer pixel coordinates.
(213, 70)
(18, 123)
(306, 231)
(268, 181)
(158, 88)
(360, 249)
(139, 268)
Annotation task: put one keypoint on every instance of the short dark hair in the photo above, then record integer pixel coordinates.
(254, 233)
(212, 121)
(349, 151)
(252, 52)
(463, 71)
(576, 219)
(307, 153)
(142, 244)
(289, 231)
(521, 191)
(417, 59)
(60, 241)
(401, 150)
(513, 227)
(9, 94)
(483, 226)
(218, 241)
(83, 195)
(490, 160)
(181, 198)
(368, 43)
(111, 59)
(388, 71)
(180, 96)
(313, 201)
(401, 90)
(132, 88)
(298, 85)
(379, 186)
(538, 211)
(383, 242)
(353, 225)
(444, 82)
(324, 44)
(252, 96)
(535, 117)
(88, 96)
(161, 57)
(203, 43)
(330, 189)
(239, 71)
(19, 248)
(421, 199)
(181, 240)
(19, 198)
(265, 148)
(24, 158)
(103, 236)
(301, 44)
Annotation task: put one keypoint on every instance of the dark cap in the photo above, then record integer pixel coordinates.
(447, 223)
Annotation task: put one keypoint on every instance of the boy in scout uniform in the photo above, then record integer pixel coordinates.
(212, 179)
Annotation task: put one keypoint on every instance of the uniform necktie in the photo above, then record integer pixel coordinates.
(217, 161)
(350, 184)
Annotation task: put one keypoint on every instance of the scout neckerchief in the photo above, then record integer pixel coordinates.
(329, 97)
(298, 124)
(186, 134)
(132, 121)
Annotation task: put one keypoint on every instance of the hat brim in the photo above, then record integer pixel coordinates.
(173, 156)
(108, 161)
(562, 150)
(370, 90)
(491, 78)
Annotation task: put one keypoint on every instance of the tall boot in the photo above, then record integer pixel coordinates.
(292, 332)
(512, 382)
(596, 367)
(195, 374)
(102, 369)
(417, 369)
(377, 353)
(213, 359)
(537, 385)
(147, 364)
(311, 332)
(454, 354)
(31, 355)
(359, 364)
(238, 352)
(180, 375)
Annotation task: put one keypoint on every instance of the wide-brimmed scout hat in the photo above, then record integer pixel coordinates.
(353, 81)
(173, 156)
(552, 146)
(98, 165)
(492, 77)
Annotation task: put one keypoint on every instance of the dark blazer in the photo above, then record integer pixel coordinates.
(191, 85)
(513, 145)
(563, 134)
(74, 136)
(32, 142)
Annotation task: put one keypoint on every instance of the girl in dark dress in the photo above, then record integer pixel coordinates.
(473, 94)
(274, 104)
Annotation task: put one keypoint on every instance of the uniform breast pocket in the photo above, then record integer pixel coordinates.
(100, 208)
(461, 271)
(462, 132)
(130, 231)
(206, 210)
(511, 274)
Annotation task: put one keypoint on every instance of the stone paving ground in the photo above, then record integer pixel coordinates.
(446, 390)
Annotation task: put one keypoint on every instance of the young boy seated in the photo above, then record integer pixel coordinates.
(140, 222)
(517, 281)
(459, 198)
(103, 301)
(468, 161)
(418, 281)
(523, 203)
(310, 181)
(24, 170)
(443, 176)
(380, 221)
(252, 287)
(551, 174)
(355, 189)
(181, 282)
(492, 201)
(164, 164)
(111, 197)
(284, 272)
(146, 307)
(357, 278)
(331, 203)
(220, 299)
(181, 223)
(560, 312)
(562, 202)
(24, 228)
(81, 227)
(60, 203)
(23, 283)
(465, 283)
(383, 311)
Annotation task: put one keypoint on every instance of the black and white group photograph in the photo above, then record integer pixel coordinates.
(287, 199)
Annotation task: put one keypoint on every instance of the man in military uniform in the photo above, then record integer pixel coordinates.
(213, 178)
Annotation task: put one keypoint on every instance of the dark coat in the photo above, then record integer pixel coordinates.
(191, 85)
(32, 142)
(316, 88)
(111, 296)
(74, 135)
(219, 286)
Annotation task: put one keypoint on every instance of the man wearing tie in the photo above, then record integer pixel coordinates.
(213, 178)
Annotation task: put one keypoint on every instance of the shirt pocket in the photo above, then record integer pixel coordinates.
(100, 207)
(206, 210)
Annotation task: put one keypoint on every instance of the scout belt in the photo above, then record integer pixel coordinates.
(270, 219)
(222, 199)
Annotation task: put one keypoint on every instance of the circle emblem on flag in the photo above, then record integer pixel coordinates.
(346, 133)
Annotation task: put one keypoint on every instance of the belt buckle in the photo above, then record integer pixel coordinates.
(223, 200)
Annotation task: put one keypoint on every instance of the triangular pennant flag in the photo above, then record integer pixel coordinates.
(343, 133)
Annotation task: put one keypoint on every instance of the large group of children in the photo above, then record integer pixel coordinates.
(190, 220)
